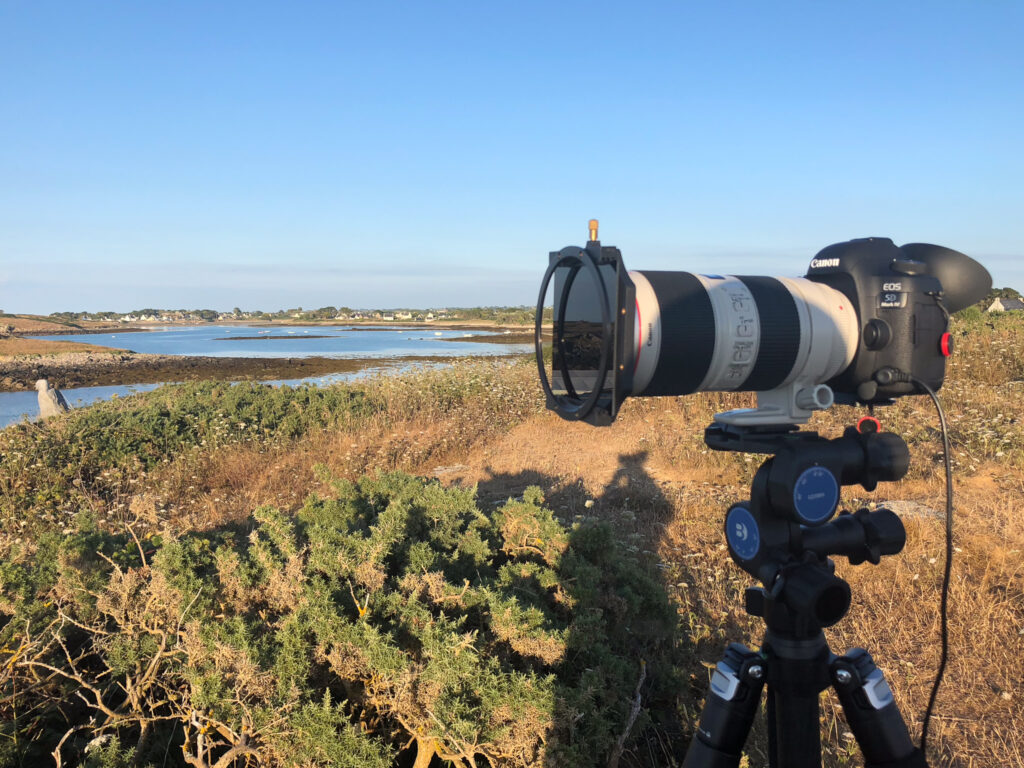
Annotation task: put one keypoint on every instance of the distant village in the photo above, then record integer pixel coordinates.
(1005, 304)
(209, 316)
(998, 300)
(501, 315)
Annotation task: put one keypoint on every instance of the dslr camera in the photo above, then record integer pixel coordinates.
(867, 323)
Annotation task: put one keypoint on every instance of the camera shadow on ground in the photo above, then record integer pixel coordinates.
(650, 517)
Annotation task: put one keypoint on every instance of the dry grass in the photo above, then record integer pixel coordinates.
(18, 347)
(674, 508)
(651, 474)
(32, 324)
(655, 481)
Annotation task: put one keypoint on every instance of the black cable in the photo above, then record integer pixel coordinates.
(944, 609)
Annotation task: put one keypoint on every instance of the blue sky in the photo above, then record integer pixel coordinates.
(426, 154)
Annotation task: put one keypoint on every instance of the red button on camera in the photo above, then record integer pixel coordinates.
(946, 345)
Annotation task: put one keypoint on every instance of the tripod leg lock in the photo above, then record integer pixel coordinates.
(729, 710)
(871, 711)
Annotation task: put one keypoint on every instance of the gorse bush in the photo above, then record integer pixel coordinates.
(51, 472)
(391, 612)
(81, 461)
(68, 489)
(386, 621)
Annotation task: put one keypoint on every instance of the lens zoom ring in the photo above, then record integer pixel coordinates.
(687, 333)
(780, 333)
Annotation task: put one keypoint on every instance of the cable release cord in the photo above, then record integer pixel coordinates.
(944, 610)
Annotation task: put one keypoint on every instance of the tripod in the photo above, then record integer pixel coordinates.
(783, 537)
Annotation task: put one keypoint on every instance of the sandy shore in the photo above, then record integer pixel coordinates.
(89, 369)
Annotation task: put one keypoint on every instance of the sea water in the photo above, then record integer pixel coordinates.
(18, 406)
(382, 343)
(298, 341)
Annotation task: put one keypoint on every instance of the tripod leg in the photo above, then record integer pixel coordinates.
(871, 711)
(794, 729)
(728, 711)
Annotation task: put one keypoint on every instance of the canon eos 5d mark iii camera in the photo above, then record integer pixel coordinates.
(867, 323)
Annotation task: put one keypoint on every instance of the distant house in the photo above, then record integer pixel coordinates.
(1005, 305)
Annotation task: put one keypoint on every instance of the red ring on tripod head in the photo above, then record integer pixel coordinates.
(864, 429)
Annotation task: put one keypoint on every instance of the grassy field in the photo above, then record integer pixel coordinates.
(35, 324)
(240, 477)
(17, 347)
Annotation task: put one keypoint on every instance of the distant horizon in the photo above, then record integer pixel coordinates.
(468, 307)
(529, 283)
(349, 310)
(1007, 271)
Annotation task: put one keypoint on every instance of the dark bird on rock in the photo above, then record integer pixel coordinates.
(51, 401)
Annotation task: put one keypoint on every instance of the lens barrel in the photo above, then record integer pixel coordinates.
(650, 333)
(706, 332)
(699, 333)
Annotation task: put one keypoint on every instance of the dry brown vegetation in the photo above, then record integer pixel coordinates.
(652, 476)
(18, 347)
(32, 324)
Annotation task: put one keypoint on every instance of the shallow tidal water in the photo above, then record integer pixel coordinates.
(297, 341)
(383, 343)
(18, 406)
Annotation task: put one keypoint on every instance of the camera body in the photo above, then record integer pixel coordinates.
(867, 320)
(904, 325)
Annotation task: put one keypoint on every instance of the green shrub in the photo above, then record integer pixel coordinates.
(392, 611)
(52, 471)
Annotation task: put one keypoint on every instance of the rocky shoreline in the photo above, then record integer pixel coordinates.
(93, 369)
(516, 337)
(66, 330)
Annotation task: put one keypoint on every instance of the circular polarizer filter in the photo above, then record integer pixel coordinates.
(573, 317)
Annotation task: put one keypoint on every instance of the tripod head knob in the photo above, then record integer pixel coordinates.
(865, 535)
(804, 597)
(812, 589)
